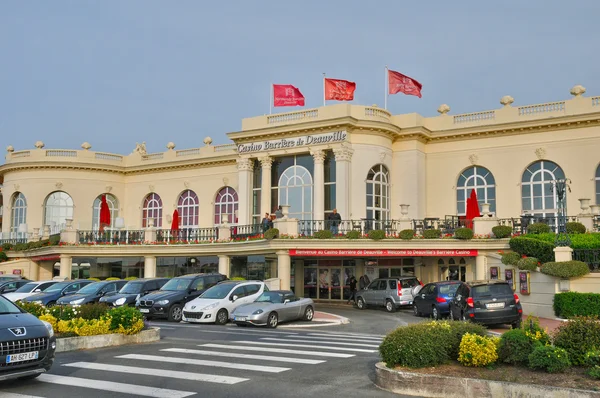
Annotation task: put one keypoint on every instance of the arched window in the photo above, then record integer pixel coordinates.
(537, 195)
(295, 189)
(378, 193)
(187, 207)
(598, 185)
(18, 211)
(113, 206)
(226, 203)
(58, 207)
(482, 181)
(152, 209)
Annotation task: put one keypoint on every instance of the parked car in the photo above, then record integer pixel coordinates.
(273, 307)
(434, 299)
(487, 302)
(27, 344)
(132, 291)
(215, 304)
(50, 296)
(29, 289)
(11, 286)
(92, 293)
(168, 302)
(391, 293)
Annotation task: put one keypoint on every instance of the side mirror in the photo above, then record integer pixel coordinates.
(286, 301)
(37, 291)
(234, 297)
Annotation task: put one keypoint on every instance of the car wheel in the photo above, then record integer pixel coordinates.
(435, 314)
(51, 304)
(360, 303)
(175, 313)
(389, 306)
(517, 324)
(309, 314)
(222, 317)
(273, 320)
(416, 310)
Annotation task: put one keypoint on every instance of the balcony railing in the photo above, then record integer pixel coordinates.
(520, 224)
(127, 237)
(246, 231)
(589, 256)
(187, 235)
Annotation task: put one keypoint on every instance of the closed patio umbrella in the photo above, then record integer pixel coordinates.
(472, 209)
(104, 214)
(175, 224)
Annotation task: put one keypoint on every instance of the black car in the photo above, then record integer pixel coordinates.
(50, 296)
(11, 286)
(487, 302)
(170, 299)
(132, 291)
(434, 299)
(92, 293)
(27, 344)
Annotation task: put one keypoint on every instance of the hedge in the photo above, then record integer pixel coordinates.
(510, 258)
(538, 228)
(578, 241)
(271, 233)
(463, 233)
(528, 264)
(530, 247)
(3, 257)
(566, 269)
(322, 234)
(502, 231)
(575, 228)
(376, 234)
(406, 234)
(572, 304)
(353, 234)
(432, 234)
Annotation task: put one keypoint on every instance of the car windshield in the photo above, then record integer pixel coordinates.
(500, 289)
(91, 288)
(132, 288)
(177, 284)
(270, 297)
(27, 288)
(57, 287)
(218, 291)
(448, 290)
(7, 307)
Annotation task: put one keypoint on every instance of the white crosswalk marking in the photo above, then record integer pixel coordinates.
(244, 356)
(163, 372)
(365, 336)
(278, 350)
(114, 387)
(321, 342)
(349, 339)
(216, 364)
(306, 346)
(13, 395)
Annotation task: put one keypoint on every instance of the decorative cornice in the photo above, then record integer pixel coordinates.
(318, 156)
(343, 153)
(266, 162)
(245, 164)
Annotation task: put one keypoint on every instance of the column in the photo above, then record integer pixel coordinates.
(480, 265)
(245, 177)
(284, 268)
(265, 186)
(299, 278)
(319, 185)
(66, 263)
(342, 180)
(149, 267)
(224, 267)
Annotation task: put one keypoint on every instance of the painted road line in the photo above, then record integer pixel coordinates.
(216, 364)
(359, 336)
(244, 356)
(199, 329)
(277, 350)
(114, 387)
(349, 339)
(13, 395)
(305, 346)
(157, 372)
(321, 342)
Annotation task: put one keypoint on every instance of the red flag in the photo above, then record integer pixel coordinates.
(104, 214)
(339, 90)
(287, 95)
(399, 83)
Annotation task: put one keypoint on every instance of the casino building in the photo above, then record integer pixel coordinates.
(380, 171)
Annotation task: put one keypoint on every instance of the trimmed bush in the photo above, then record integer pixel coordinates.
(93, 311)
(272, 233)
(566, 269)
(406, 234)
(130, 278)
(376, 234)
(3, 257)
(528, 263)
(534, 331)
(93, 279)
(571, 304)
(477, 350)
(237, 278)
(7, 246)
(549, 358)
(595, 372)
(578, 336)
(510, 258)
(126, 320)
(538, 228)
(530, 247)
(432, 234)
(20, 247)
(502, 231)
(515, 347)
(112, 278)
(456, 331)
(575, 228)
(463, 233)
(592, 358)
(322, 234)
(353, 234)
(578, 241)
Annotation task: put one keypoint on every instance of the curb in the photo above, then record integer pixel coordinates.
(427, 385)
(106, 340)
(326, 322)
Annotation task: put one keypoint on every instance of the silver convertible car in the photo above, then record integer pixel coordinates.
(273, 307)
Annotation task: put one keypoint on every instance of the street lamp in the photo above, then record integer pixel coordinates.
(560, 187)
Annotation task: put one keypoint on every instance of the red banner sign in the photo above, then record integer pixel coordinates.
(382, 253)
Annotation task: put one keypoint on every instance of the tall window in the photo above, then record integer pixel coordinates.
(113, 206)
(226, 204)
(152, 209)
(378, 193)
(18, 212)
(537, 195)
(58, 207)
(598, 185)
(295, 189)
(256, 193)
(482, 181)
(330, 198)
(187, 207)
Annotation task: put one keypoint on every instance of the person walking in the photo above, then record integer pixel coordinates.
(352, 289)
(334, 221)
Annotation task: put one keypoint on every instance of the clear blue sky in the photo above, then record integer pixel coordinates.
(119, 72)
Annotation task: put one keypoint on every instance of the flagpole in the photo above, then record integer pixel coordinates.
(271, 94)
(385, 80)
(324, 101)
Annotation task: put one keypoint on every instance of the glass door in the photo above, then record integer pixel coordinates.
(336, 284)
(324, 283)
(310, 282)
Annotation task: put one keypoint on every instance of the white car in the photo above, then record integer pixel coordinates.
(215, 304)
(29, 289)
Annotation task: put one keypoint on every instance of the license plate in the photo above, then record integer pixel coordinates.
(240, 318)
(25, 356)
(144, 310)
(494, 305)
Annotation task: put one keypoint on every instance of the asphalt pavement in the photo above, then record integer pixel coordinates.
(228, 361)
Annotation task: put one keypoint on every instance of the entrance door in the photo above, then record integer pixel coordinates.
(330, 283)
(457, 273)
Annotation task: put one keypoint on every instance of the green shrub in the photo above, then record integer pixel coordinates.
(353, 234)
(457, 331)
(510, 258)
(20, 247)
(578, 336)
(515, 347)
(534, 331)
(415, 346)
(94, 279)
(376, 234)
(571, 304)
(528, 263)
(272, 233)
(432, 234)
(406, 234)
(463, 233)
(32, 308)
(3, 257)
(549, 358)
(112, 278)
(323, 234)
(238, 278)
(63, 312)
(125, 317)
(477, 350)
(531, 247)
(54, 240)
(575, 228)
(538, 228)
(7, 246)
(566, 269)
(502, 231)
(578, 241)
(93, 311)
(592, 358)
(595, 372)
(131, 278)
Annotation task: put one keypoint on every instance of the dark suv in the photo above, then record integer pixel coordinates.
(132, 291)
(92, 293)
(170, 299)
(391, 293)
(487, 302)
